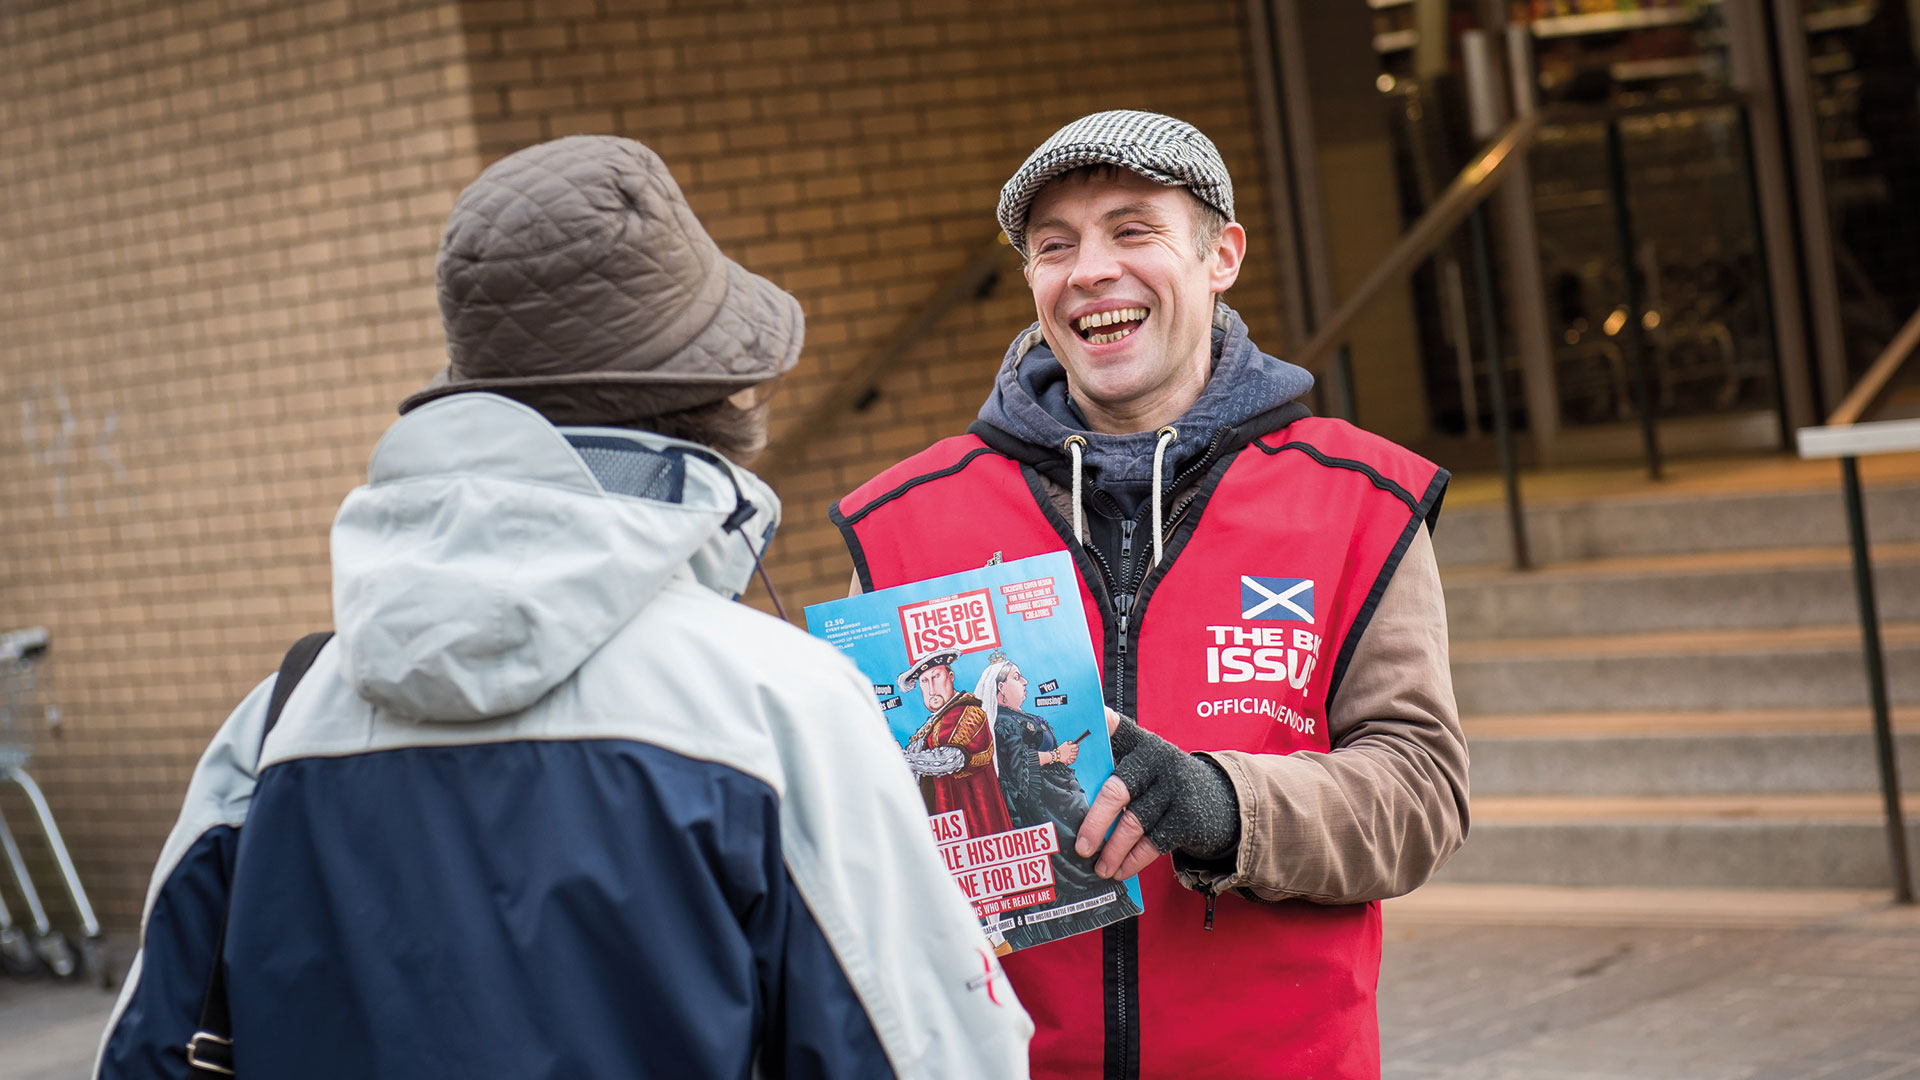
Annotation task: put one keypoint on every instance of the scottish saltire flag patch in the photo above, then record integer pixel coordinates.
(1282, 598)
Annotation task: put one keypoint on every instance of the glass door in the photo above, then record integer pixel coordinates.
(1646, 168)
(1861, 77)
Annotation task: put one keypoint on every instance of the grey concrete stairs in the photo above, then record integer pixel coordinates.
(1569, 531)
(1678, 698)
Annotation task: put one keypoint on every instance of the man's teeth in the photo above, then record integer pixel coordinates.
(1108, 339)
(1107, 318)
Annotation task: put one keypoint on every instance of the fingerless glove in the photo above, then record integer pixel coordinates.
(1184, 802)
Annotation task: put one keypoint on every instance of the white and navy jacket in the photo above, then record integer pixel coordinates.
(552, 805)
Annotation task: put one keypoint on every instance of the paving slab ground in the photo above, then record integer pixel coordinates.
(48, 1030)
(1502, 983)
(1628, 984)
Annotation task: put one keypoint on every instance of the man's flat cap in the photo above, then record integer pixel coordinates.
(1160, 148)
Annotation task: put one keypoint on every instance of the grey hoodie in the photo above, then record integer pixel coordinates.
(485, 560)
(1030, 403)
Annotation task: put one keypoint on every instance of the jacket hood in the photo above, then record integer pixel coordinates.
(491, 553)
(1029, 402)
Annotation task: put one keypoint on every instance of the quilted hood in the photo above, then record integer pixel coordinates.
(577, 262)
(491, 553)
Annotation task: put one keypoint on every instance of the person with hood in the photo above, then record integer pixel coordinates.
(551, 803)
(1262, 596)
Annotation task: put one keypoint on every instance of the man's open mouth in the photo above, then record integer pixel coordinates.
(1106, 327)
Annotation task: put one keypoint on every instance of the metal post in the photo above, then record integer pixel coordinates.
(1303, 152)
(1281, 212)
(1630, 266)
(69, 874)
(1343, 383)
(1453, 299)
(16, 950)
(1782, 407)
(1497, 385)
(1430, 40)
(1749, 54)
(1486, 114)
(1518, 231)
(18, 864)
(1819, 279)
(1877, 681)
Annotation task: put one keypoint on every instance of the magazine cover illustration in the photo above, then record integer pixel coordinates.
(989, 686)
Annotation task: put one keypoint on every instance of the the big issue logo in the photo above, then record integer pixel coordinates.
(961, 623)
(1265, 654)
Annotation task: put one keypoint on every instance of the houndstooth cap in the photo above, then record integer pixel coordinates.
(1160, 148)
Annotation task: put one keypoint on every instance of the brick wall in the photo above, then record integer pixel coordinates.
(219, 228)
(219, 224)
(853, 152)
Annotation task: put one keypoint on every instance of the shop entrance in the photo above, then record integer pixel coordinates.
(1717, 213)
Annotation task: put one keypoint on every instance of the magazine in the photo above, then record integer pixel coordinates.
(989, 686)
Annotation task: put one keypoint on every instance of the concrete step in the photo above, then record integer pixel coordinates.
(1767, 752)
(1571, 530)
(1788, 587)
(1829, 841)
(1707, 670)
(1463, 904)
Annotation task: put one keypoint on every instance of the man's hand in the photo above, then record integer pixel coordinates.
(1164, 799)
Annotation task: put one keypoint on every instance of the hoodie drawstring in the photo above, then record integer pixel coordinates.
(1074, 445)
(1167, 436)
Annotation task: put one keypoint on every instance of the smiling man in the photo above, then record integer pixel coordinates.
(1261, 590)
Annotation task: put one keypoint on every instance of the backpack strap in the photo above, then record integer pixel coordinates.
(292, 670)
(210, 1051)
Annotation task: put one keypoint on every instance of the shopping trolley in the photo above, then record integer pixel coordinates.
(22, 715)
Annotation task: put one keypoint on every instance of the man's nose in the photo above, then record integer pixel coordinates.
(1094, 267)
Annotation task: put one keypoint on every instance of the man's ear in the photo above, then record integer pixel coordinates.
(1228, 253)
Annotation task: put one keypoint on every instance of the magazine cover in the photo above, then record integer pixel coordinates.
(990, 688)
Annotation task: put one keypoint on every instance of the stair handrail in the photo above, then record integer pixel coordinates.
(1848, 438)
(1879, 376)
(1473, 185)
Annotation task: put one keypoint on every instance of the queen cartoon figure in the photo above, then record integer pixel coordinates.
(1036, 776)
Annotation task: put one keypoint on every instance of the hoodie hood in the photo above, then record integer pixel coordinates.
(491, 553)
(1029, 402)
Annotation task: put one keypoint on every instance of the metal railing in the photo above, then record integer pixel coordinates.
(1848, 436)
(1463, 200)
(1879, 378)
(1469, 189)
